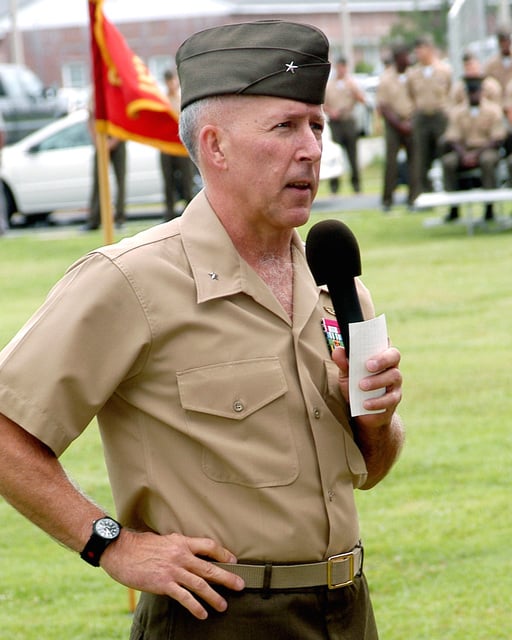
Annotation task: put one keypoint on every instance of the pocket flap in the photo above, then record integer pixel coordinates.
(232, 390)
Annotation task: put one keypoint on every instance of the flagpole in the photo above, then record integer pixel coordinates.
(104, 187)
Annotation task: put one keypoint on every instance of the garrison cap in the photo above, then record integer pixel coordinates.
(262, 58)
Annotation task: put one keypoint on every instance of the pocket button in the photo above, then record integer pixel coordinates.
(238, 406)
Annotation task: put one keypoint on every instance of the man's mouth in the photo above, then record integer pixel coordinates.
(302, 185)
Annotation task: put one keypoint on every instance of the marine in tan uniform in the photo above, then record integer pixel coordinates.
(342, 95)
(177, 171)
(499, 66)
(507, 145)
(199, 346)
(117, 154)
(472, 68)
(429, 83)
(473, 138)
(395, 106)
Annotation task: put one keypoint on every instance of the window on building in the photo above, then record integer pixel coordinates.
(75, 75)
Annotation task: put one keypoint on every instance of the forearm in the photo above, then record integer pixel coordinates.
(33, 481)
(380, 446)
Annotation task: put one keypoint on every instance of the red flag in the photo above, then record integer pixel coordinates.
(128, 102)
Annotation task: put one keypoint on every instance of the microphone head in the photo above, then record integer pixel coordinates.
(332, 252)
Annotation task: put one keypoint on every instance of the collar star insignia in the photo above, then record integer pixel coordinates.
(291, 66)
(213, 275)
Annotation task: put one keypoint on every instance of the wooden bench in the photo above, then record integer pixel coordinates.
(467, 201)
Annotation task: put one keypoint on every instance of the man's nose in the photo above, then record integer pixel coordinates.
(311, 146)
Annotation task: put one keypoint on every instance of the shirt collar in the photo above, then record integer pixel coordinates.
(218, 269)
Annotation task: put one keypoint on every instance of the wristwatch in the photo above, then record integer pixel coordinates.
(104, 531)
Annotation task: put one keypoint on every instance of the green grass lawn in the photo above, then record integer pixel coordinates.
(436, 531)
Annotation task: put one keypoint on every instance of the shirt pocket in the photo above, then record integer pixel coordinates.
(237, 413)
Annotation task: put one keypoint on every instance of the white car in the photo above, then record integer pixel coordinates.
(51, 169)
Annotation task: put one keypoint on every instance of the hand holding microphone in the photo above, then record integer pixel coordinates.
(333, 256)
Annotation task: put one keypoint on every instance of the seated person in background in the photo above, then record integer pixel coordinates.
(472, 140)
(507, 108)
(472, 68)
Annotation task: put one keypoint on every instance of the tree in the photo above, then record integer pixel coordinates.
(412, 24)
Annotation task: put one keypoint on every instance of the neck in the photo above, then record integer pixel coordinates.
(274, 264)
(277, 273)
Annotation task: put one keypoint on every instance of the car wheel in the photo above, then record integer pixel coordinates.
(35, 218)
(14, 218)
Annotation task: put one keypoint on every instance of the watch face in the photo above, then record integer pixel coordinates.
(107, 528)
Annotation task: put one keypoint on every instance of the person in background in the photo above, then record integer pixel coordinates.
(395, 106)
(177, 171)
(342, 94)
(473, 138)
(499, 66)
(429, 83)
(198, 344)
(117, 158)
(472, 68)
(507, 145)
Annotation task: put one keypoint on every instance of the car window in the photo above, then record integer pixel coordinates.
(76, 135)
(31, 84)
(12, 85)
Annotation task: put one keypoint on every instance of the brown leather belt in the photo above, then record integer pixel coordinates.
(337, 571)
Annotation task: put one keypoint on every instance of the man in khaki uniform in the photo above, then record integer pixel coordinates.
(395, 106)
(177, 171)
(473, 137)
(507, 145)
(341, 97)
(117, 154)
(198, 344)
(472, 68)
(499, 66)
(429, 83)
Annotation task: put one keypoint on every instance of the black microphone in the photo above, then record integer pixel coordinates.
(333, 256)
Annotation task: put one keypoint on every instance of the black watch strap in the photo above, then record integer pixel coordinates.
(104, 531)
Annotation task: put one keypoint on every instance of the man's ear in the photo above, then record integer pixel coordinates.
(211, 145)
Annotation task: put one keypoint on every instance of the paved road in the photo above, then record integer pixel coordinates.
(346, 203)
(369, 149)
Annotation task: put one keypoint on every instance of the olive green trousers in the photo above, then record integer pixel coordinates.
(311, 614)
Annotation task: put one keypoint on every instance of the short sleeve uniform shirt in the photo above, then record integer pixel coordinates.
(392, 92)
(219, 415)
(476, 127)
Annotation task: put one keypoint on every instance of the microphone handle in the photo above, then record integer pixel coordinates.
(346, 307)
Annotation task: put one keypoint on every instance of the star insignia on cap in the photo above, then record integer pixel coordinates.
(291, 66)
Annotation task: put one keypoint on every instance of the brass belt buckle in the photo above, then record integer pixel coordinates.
(338, 559)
